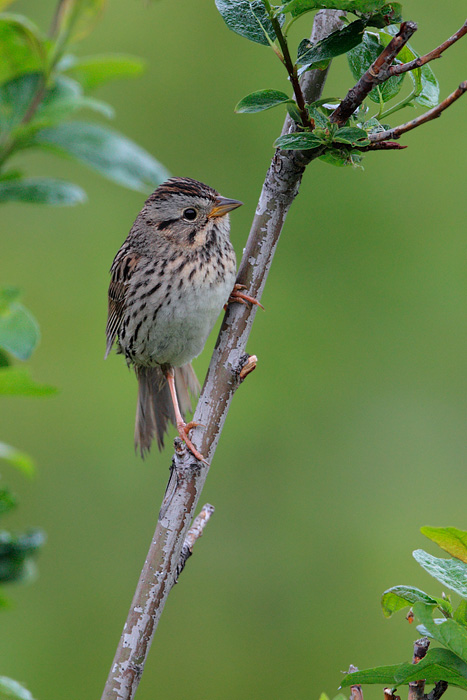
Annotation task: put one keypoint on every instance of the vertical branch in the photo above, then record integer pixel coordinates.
(223, 378)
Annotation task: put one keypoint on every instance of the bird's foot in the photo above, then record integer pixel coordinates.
(238, 296)
(183, 430)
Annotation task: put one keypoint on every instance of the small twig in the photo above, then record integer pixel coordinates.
(356, 692)
(435, 53)
(389, 694)
(248, 367)
(417, 688)
(376, 73)
(397, 131)
(383, 146)
(193, 534)
(439, 689)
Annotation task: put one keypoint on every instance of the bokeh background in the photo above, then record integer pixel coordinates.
(348, 437)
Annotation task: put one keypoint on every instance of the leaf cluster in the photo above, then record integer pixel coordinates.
(19, 336)
(449, 661)
(43, 85)
(361, 39)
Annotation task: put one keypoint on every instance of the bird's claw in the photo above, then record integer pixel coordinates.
(239, 297)
(183, 430)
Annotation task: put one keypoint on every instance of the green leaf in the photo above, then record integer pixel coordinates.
(15, 381)
(300, 141)
(342, 157)
(14, 553)
(7, 503)
(450, 572)
(294, 112)
(399, 597)
(22, 48)
(360, 59)
(19, 331)
(335, 44)
(76, 18)
(41, 190)
(299, 7)
(319, 118)
(92, 71)
(107, 151)
(18, 459)
(261, 100)
(16, 97)
(438, 665)
(452, 540)
(389, 14)
(65, 97)
(460, 614)
(12, 689)
(352, 136)
(249, 19)
(450, 633)
(429, 96)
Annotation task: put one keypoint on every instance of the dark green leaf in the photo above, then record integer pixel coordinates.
(319, 118)
(294, 112)
(389, 14)
(12, 689)
(92, 71)
(19, 331)
(450, 633)
(18, 459)
(107, 151)
(299, 7)
(360, 59)
(41, 190)
(22, 47)
(450, 572)
(7, 502)
(438, 664)
(335, 44)
(15, 381)
(352, 136)
(261, 100)
(429, 96)
(249, 19)
(298, 142)
(15, 551)
(4, 359)
(399, 597)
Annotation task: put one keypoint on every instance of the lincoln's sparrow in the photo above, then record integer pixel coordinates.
(170, 280)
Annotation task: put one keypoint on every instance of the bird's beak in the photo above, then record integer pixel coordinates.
(222, 206)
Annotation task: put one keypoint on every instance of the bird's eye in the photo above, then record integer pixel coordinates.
(190, 214)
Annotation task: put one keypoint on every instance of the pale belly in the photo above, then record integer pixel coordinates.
(180, 328)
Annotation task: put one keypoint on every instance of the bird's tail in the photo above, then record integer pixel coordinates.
(154, 409)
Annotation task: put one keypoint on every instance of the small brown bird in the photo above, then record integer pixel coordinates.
(169, 282)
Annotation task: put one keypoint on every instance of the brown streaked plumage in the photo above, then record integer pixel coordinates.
(169, 281)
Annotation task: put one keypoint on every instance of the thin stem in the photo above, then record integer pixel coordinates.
(397, 131)
(307, 122)
(400, 105)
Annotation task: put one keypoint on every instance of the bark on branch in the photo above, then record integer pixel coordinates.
(223, 378)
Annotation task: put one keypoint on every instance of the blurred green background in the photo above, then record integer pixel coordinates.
(348, 437)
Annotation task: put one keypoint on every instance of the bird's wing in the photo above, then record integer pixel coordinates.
(121, 271)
